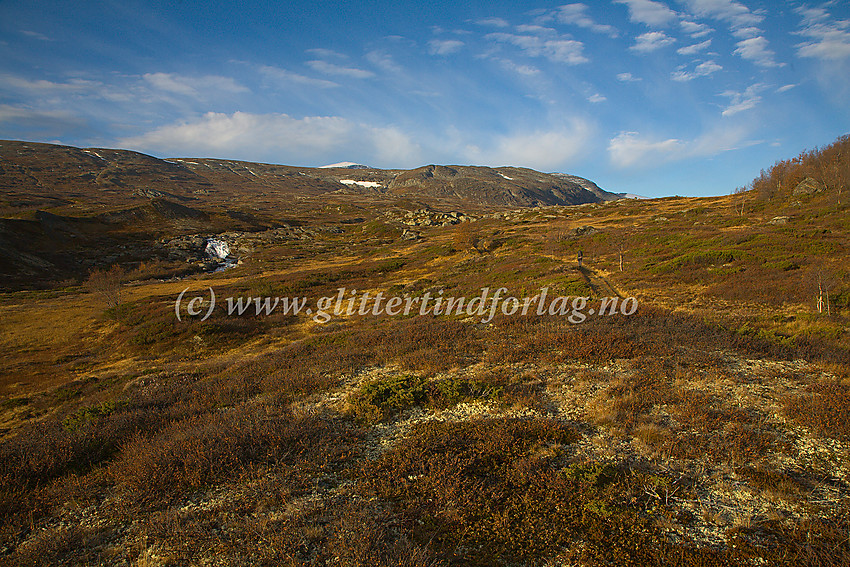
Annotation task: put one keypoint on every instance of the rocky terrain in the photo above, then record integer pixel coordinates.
(59, 203)
(706, 427)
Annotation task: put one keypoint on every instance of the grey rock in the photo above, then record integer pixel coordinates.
(808, 186)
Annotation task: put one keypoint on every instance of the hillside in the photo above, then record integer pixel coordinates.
(703, 422)
(59, 204)
(43, 176)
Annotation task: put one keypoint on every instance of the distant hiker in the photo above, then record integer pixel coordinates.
(580, 256)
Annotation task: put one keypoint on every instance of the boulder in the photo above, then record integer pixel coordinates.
(808, 186)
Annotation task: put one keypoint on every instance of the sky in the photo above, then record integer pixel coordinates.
(656, 98)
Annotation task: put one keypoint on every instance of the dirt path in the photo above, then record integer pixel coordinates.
(600, 284)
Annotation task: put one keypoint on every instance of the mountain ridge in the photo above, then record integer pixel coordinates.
(37, 175)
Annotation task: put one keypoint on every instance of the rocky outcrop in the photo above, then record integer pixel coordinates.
(808, 186)
(426, 218)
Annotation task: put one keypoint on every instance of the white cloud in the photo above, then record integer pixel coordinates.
(192, 86)
(741, 101)
(444, 46)
(27, 123)
(755, 50)
(277, 136)
(495, 22)
(526, 70)
(38, 119)
(44, 86)
(785, 88)
(288, 77)
(702, 70)
(695, 48)
(746, 33)
(333, 69)
(631, 150)
(36, 35)
(542, 150)
(826, 39)
(628, 149)
(576, 15)
(383, 60)
(651, 41)
(326, 53)
(694, 29)
(648, 12)
(733, 13)
(547, 44)
(535, 29)
(596, 98)
(628, 78)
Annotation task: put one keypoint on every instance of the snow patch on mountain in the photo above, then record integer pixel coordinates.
(361, 183)
(345, 165)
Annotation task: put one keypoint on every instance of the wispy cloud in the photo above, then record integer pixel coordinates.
(544, 149)
(649, 12)
(325, 53)
(755, 49)
(694, 29)
(695, 48)
(45, 86)
(632, 150)
(339, 70)
(444, 46)
(827, 39)
(36, 35)
(35, 119)
(748, 32)
(785, 88)
(702, 70)
(195, 87)
(288, 77)
(628, 149)
(383, 60)
(733, 13)
(576, 15)
(627, 78)
(494, 22)
(301, 140)
(651, 41)
(544, 42)
(526, 70)
(596, 98)
(741, 101)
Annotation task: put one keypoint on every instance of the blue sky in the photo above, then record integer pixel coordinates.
(681, 97)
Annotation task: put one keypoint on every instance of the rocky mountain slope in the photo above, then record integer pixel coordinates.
(39, 176)
(65, 210)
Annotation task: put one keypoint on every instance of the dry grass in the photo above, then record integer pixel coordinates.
(824, 407)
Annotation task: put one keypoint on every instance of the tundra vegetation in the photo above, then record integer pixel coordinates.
(709, 427)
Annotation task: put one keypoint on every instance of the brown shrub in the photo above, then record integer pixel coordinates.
(495, 492)
(628, 401)
(817, 542)
(824, 407)
(206, 449)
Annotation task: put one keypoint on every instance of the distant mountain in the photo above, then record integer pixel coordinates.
(46, 176)
(64, 210)
(590, 186)
(501, 186)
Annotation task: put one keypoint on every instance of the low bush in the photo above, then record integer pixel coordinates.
(824, 407)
